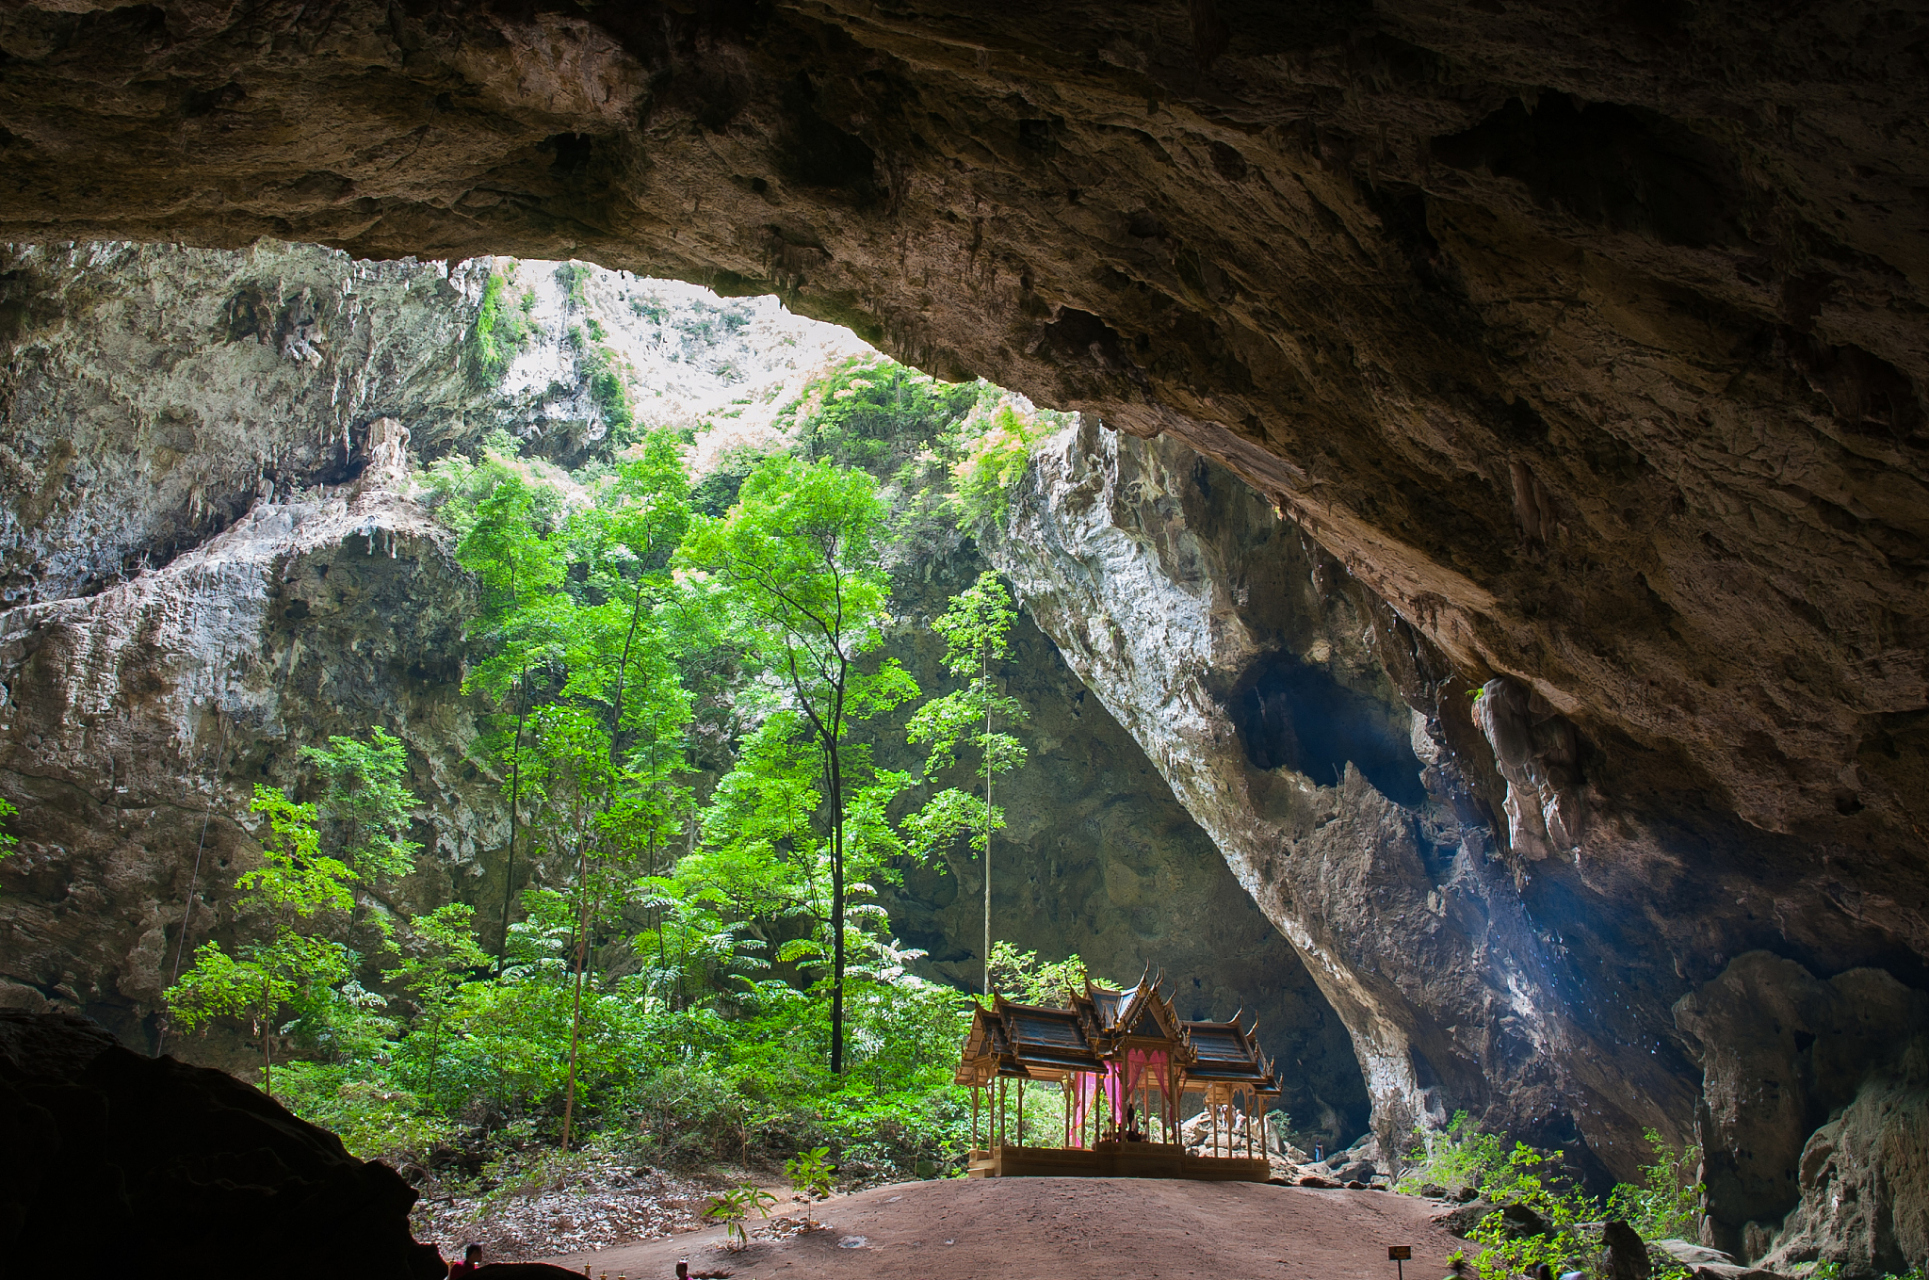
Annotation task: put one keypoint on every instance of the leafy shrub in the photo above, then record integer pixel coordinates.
(1456, 1157)
(1665, 1204)
(691, 1113)
(993, 464)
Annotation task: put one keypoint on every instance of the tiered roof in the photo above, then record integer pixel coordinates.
(1095, 1026)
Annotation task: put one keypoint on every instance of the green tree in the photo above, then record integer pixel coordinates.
(6, 841)
(289, 900)
(993, 462)
(437, 952)
(364, 807)
(976, 629)
(508, 522)
(801, 560)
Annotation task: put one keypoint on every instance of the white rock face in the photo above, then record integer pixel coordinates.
(153, 393)
(137, 720)
(1255, 675)
(211, 562)
(723, 368)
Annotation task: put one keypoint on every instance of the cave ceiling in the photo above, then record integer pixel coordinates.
(1590, 336)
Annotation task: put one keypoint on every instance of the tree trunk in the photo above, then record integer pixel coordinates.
(515, 801)
(837, 912)
(582, 970)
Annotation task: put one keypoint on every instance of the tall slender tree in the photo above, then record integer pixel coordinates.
(801, 559)
(509, 525)
(976, 630)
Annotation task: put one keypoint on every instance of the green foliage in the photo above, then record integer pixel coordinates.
(609, 389)
(691, 984)
(293, 902)
(976, 628)
(364, 810)
(810, 1171)
(1022, 977)
(1529, 1177)
(573, 279)
(732, 1207)
(993, 464)
(501, 327)
(798, 563)
(1457, 1157)
(1665, 1204)
(6, 841)
(875, 415)
(717, 492)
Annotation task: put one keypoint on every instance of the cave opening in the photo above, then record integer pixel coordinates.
(1295, 715)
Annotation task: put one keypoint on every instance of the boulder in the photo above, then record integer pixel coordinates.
(114, 1159)
(1624, 1256)
(1520, 1222)
(1687, 1253)
(1464, 1219)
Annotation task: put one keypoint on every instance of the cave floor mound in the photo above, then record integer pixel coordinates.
(1065, 1228)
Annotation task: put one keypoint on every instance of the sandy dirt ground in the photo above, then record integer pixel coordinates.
(1064, 1229)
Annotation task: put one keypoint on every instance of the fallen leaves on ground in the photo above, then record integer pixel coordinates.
(606, 1204)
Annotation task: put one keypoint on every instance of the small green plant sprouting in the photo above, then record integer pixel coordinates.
(732, 1207)
(810, 1171)
(6, 841)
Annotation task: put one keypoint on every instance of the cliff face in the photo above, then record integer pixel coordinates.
(1336, 762)
(1492, 929)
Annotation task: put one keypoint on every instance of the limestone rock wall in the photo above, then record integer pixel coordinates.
(1262, 683)
(1814, 1113)
(139, 719)
(1492, 932)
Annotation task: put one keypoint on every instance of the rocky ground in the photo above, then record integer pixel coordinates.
(596, 1202)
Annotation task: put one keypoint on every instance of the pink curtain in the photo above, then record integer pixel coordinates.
(1115, 1085)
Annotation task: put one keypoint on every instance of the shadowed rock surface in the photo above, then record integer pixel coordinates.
(1587, 341)
(1592, 339)
(116, 1160)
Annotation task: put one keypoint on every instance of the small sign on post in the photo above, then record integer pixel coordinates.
(1399, 1255)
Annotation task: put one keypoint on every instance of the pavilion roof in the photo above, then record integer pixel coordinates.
(1013, 1039)
(1226, 1052)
